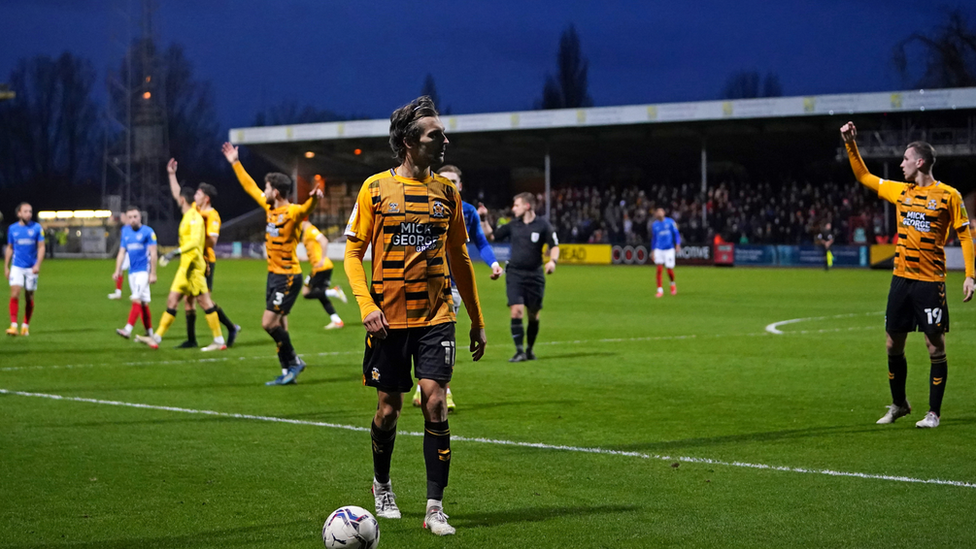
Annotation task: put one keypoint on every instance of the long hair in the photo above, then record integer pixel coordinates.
(404, 127)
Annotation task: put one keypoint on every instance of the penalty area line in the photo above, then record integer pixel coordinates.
(498, 442)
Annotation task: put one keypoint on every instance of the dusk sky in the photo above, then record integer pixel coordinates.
(367, 58)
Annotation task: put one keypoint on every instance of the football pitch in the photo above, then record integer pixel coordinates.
(683, 421)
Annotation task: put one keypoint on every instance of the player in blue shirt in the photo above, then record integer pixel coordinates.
(476, 234)
(665, 239)
(25, 250)
(139, 244)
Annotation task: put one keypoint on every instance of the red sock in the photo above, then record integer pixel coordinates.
(28, 310)
(146, 317)
(134, 313)
(659, 269)
(670, 275)
(14, 308)
(118, 283)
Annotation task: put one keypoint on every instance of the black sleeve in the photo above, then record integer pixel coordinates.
(551, 239)
(503, 231)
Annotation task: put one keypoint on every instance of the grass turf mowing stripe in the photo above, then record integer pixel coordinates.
(541, 343)
(538, 445)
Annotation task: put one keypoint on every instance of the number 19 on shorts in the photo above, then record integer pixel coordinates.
(934, 315)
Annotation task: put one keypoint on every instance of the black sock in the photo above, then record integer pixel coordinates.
(518, 333)
(191, 326)
(224, 319)
(382, 451)
(327, 305)
(897, 374)
(437, 457)
(532, 332)
(937, 383)
(315, 293)
(286, 353)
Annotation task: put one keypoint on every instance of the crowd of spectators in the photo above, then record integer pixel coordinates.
(790, 212)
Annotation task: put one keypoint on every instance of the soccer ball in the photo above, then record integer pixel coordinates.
(351, 527)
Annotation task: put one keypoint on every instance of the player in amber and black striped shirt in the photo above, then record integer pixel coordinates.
(284, 272)
(927, 211)
(412, 218)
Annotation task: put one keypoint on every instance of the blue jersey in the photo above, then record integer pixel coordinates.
(664, 234)
(473, 222)
(25, 239)
(136, 244)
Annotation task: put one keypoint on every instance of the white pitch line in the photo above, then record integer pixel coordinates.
(179, 361)
(537, 445)
(774, 327)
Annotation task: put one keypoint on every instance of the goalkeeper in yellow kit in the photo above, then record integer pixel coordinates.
(190, 278)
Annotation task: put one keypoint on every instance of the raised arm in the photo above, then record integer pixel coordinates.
(849, 133)
(250, 187)
(309, 205)
(174, 185)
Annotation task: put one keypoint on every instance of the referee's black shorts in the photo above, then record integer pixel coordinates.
(525, 287)
(916, 305)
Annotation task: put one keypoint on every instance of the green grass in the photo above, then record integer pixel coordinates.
(692, 376)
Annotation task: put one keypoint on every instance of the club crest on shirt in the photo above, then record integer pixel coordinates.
(438, 210)
(933, 204)
(394, 208)
(535, 237)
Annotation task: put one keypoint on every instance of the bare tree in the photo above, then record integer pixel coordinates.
(192, 130)
(945, 57)
(569, 89)
(49, 134)
(430, 90)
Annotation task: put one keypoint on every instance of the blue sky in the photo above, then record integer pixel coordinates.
(370, 57)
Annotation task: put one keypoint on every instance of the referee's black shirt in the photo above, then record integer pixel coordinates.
(527, 241)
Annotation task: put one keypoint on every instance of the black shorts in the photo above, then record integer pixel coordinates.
(916, 305)
(525, 288)
(210, 273)
(321, 279)
(431, 349)
(282, 291)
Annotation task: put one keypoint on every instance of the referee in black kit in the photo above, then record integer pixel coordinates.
(524, 281)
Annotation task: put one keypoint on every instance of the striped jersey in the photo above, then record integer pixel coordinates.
(284, 226)
(925, 215)
(310, 238)
(211, 221)
(410, 224)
